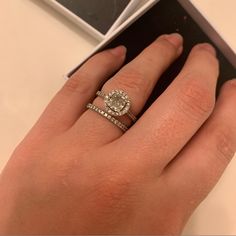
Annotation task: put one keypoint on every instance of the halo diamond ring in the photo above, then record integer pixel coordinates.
(117, 103)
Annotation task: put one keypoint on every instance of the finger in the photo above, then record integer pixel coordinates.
(71, 100)
(137, 79)
(179, 112)
(198, 167)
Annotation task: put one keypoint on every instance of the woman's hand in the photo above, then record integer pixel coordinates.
(77, 173)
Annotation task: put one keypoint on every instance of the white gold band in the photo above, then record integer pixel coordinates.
(113, 120)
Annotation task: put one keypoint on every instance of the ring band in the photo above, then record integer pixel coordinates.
(113, 120)
(117, 103)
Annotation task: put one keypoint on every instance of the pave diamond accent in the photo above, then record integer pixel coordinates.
(116, 122)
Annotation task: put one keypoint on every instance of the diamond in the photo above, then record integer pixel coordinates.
(117, 103)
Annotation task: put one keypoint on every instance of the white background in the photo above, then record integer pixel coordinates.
(38, 46)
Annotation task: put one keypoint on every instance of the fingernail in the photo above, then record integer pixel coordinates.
(208, 47)
(119, 51)
(175, 39)
(233, 82)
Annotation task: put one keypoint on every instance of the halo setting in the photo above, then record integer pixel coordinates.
(117, 103)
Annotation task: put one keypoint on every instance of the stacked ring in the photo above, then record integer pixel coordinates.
(117, 103)
(108, 117)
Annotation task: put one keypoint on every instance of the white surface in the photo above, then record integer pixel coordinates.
(38, 47)
(212, 28)
(222, 15)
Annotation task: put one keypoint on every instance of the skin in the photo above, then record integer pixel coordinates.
(77, 173)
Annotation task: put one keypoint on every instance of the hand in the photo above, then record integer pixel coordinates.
(77, 173)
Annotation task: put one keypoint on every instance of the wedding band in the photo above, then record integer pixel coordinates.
(117, 103)
(113, 120)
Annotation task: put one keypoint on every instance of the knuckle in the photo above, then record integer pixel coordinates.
(166, 51)
(224, 144)
(165, 48)
(112, 193)
(113, 188)
(78, 83)
(195, 99)
(106, 58)
(131, 79)
(72, 84)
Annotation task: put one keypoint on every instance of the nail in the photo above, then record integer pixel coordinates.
(233, 82)
(118, 51)
(175, 39)
(208, 47)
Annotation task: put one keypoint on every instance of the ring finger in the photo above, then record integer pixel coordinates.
(137, 79)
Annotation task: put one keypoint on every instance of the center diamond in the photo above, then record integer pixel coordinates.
(117, 103)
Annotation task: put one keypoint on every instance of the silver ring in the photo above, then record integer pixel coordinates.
(117, 103)
(113, 120)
